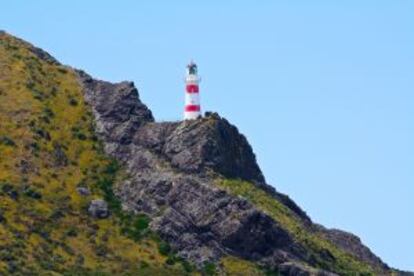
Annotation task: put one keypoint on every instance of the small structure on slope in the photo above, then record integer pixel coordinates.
(192, 108)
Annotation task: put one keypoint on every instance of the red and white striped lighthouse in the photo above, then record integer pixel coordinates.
(192, 98)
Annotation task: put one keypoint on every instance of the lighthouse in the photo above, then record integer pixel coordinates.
(192, 108)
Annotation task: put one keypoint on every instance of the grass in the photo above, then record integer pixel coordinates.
(238, 267)
(47, 149)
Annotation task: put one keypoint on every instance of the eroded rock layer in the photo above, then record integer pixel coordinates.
(173, 167)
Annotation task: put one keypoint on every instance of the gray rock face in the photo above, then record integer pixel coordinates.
(173, 167)
(201, 222)
(296, 269)
(170, 166)
(212, 143)
(201, 145)
(404, 273)
(353, 245)
(117, 109)
(98, 208)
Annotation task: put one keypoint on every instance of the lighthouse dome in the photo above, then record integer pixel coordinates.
(192, 68)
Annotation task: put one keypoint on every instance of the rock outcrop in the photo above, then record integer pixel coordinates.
(170, 165)
(197, 182)
(98, 208)
(172, 168)
(353, 245)
(215, 144)
(117, 109)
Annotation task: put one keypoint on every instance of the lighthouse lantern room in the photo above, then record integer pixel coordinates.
(192, 98)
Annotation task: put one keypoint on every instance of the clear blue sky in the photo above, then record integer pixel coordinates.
(324, 91)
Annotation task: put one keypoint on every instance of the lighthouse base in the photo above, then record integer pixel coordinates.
(192, 115)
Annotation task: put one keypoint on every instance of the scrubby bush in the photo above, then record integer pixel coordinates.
(73, 102)
(209, 269)
(62, 70)
(78, 134)
(7, 141)
(164, 248)
(135, 227)
(32, 193)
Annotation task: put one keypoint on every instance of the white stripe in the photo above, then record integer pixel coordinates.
(191, 115)
(192, 99)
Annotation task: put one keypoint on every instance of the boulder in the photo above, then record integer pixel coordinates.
(98, 208)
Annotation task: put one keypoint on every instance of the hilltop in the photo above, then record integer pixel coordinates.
(91, 183)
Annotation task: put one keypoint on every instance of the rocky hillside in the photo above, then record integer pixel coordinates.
(91, 183)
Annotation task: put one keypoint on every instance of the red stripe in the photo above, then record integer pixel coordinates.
(192, 108)
(192, 88)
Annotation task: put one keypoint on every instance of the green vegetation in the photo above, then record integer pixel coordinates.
(318, 247)
(238, 267)
(4, 140)
(164, 248)
(209, 269)
(47, 150)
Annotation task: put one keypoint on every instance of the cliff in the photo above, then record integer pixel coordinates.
(177, 171)
(193, 190)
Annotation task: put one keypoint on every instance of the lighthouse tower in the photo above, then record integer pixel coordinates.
(192, 99)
